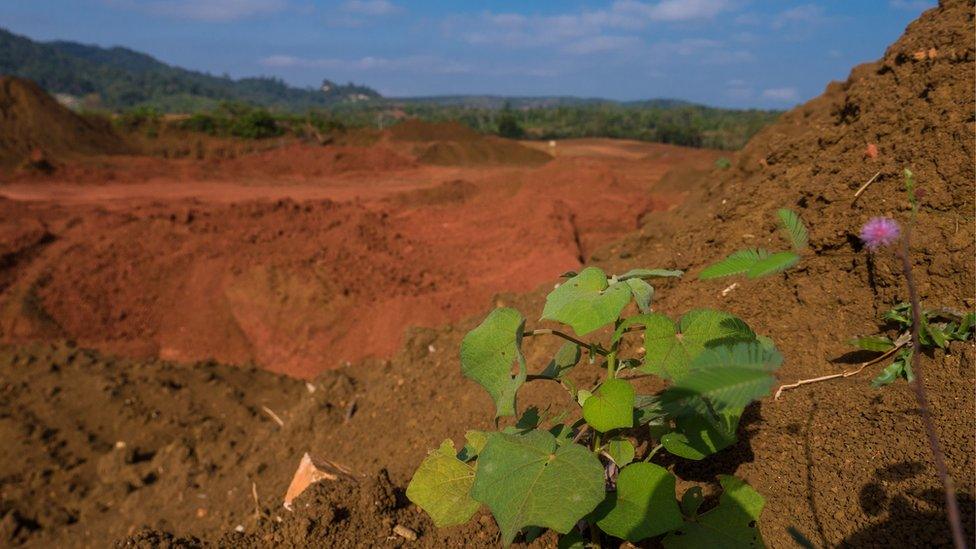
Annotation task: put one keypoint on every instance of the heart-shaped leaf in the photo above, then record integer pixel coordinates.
(488, 353)
(611, 406)
(528, 480)
(671, 348)
(621, 451)
(734, 523)
(586, 302)
(643, 505)
(442, 486)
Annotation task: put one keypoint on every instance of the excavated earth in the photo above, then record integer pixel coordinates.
(301, 275)
(149, 453)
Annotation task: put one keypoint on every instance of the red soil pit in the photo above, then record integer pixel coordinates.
(303, 258)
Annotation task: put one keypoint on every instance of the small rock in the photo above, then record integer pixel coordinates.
(405, 532)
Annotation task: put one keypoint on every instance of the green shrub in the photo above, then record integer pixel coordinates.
(138, 118)
(203, 123)
(255, 124)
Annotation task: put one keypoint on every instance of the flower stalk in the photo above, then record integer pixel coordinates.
(918, 386)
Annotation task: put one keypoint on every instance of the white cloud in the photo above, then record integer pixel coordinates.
(685, 46)
(786, 95)
(703, 51)
(807, 14)
(413, 63)
(686, 10)
(371, 7)
(204, 10)
(600, 44)
(578, 32)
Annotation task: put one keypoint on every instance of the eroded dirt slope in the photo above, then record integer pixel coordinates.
(31, 121)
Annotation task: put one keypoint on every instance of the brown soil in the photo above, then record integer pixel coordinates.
(843, 463)
(34, 128)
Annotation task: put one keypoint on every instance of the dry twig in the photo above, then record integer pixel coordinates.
(274, 416)
(864, 187)
(257, 504)
(902, 340)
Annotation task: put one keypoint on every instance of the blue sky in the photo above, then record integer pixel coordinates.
(734, 53)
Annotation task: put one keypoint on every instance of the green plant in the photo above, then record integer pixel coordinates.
(537, 473)
(758, 262)
(723, 163)
(255, 124)
(202, 123)
(147, 117)
(937, 329)
(508, 124)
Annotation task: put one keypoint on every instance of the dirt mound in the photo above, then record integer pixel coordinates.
(309, 162)
(844, 463)
(416, 130)
(264, 162)
(487, 151)
(32, 121)
(454, 144)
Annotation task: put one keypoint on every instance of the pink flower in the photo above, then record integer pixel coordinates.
(879, 232)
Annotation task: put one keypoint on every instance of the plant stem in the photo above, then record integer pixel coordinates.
(654, 451)
(594, 531)
(952, 508)
(545, 331)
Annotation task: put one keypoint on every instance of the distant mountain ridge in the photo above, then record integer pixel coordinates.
(122, 78)
(119, 78)
(533, 102)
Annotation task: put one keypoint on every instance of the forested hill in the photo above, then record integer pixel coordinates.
(119, 78)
